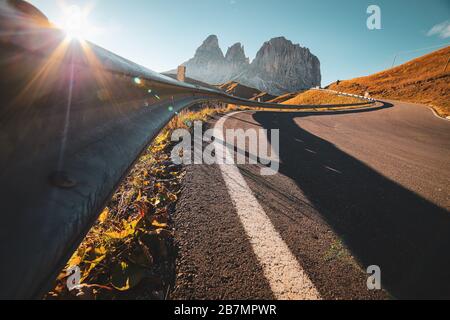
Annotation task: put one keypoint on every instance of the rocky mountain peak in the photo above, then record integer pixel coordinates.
(211, 42)
(276, 46)
(279, 41)
(236, 55)
(286, 65)
(279, 67)
(210, 49)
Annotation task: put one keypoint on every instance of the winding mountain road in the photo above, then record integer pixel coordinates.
(354, 189)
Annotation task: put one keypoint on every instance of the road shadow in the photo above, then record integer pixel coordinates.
(381, 222)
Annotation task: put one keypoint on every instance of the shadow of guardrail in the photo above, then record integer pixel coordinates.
(380, 221)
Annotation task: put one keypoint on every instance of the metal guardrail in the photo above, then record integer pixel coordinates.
(344, 94)
(73, 117)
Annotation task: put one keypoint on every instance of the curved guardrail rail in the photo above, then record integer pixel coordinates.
(369, 99)
(73, 117)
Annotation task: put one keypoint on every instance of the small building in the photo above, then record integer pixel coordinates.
(181, 74)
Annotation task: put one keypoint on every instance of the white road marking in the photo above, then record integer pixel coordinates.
(311, 151)
(286, 276)
(334, 170)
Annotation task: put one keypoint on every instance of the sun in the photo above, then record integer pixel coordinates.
(75, 23)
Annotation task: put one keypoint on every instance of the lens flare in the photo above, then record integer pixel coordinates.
(76, 23)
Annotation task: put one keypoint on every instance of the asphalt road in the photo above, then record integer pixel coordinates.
(354, 189)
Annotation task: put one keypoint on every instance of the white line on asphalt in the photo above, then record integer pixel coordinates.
(286, 276)
(332, 169)
(311, 151)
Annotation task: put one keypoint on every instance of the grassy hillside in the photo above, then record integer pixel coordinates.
(236, 89)
(316, 97)
(422, 80)
(284, 97)
(263, 97)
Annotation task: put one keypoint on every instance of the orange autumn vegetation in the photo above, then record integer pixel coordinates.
(423, 80)
(316, 97)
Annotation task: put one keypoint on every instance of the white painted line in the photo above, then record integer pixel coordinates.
(284, 273)
(334, 170)
(310, 151)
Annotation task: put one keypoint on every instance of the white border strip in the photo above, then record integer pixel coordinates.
(284, 273)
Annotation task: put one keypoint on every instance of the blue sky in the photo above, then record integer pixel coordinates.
(160, 34)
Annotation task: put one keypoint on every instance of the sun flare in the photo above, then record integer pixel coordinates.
(76, 23)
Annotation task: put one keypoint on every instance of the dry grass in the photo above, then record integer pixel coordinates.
(186, 117)
(316, 97)
(422, 80)
(239, 90)
(284, 97)
(319, 99)
(128, 253)
(263, 97)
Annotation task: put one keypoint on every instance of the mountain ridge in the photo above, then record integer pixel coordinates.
(279, 66)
